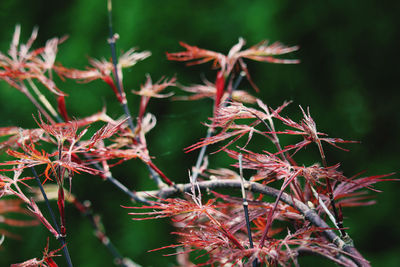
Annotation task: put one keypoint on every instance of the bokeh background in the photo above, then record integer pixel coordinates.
(348, 76)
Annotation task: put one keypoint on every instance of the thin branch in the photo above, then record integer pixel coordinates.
(278, 197)
(330, 193)
(124, 189)
(86, 210)
(210, 131)
(324, 207)
(43, 99)
(245, 203)
(25, 91)
(118, 184)
(239, 79)
(201, 155)
(112, 41)
(246, 207)
(62, 238)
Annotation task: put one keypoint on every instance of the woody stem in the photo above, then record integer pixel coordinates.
(112, 42)
(339, 222)
(210, 131)
(62, 238)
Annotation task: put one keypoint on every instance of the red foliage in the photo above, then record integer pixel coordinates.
(222, 227)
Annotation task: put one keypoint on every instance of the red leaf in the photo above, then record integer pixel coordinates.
(111, 83)
(220, 85)
(62, 108)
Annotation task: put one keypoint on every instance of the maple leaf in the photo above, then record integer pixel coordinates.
(260, 52)
(105, 132)
(228, 117)
(348, 194)
(268, 165)
(226, 63)
(45, 261)
(308, 129)
(21, 63)
(208, 90)
(150, 89)
(131, 57)
(103, 69)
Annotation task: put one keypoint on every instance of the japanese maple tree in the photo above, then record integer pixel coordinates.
(304, 216)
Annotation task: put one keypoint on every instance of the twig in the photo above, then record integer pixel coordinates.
(239, 79)
(246, 207)
(286, 182)
(201, 155)
(25, 91)
(43, 99)
(124, 189)
(245, 203)
(85, 210)
(62, 238)
(118, 184)
(324, 207)
(210, 131)
(330, 193)
(112, 41)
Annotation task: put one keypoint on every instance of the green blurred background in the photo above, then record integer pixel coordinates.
(348, 76)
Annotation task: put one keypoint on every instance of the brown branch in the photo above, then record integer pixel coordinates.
(308, 213)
